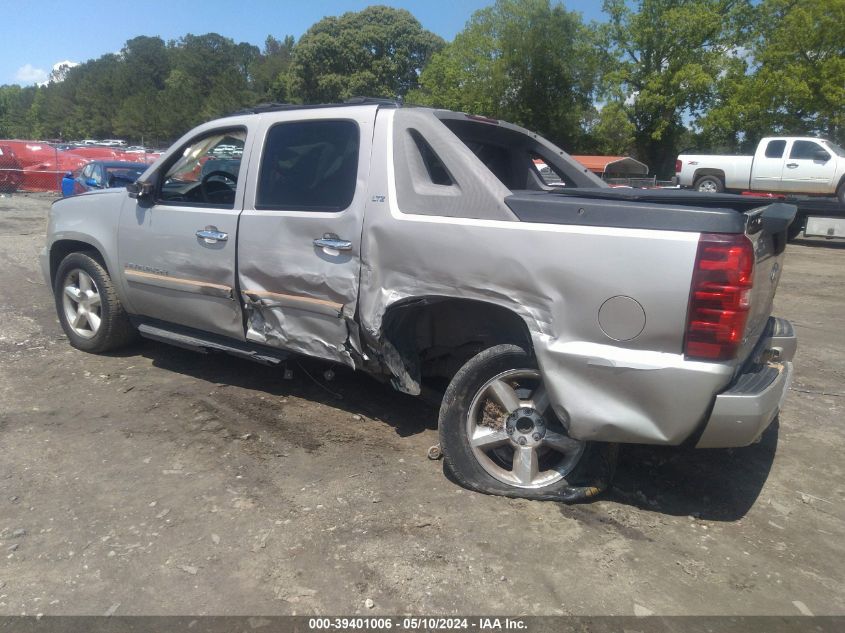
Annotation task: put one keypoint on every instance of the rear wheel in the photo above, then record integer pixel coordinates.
(840, 193)
(499, 434)
(709, 184)
(90, 312)
(795, 229)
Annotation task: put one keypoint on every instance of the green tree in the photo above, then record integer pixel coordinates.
(612, 133)
(527, 61)
(101, 89)
(56, 115)
(146, 62)
(376, 52)
(208, 78)
(269, 71)
(791, 77)
(665, 59)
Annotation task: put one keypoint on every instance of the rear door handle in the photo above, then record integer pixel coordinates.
(332, 241)
(211, 235)
(792, 165)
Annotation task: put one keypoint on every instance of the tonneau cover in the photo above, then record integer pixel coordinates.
(605, 207)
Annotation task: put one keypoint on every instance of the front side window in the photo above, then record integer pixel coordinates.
(206, 172)
(807, 150)
(775, 149)
(309, 166)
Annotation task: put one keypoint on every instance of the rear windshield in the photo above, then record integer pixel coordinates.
(837, 149)
(518, 160)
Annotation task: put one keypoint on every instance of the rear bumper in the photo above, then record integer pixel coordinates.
(743, 411)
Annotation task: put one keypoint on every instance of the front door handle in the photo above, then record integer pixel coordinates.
(792, 165)
(211, 235)
(332, 241)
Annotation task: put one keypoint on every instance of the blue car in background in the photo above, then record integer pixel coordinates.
(100, 174)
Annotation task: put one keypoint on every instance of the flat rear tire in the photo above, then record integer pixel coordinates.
(499, 435)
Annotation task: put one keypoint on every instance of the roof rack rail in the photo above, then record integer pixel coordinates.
(352, 101)
(397, 103)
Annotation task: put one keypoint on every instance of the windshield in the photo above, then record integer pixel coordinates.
(833, 146)
(120, 176)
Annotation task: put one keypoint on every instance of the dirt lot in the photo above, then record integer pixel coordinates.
(158, 481)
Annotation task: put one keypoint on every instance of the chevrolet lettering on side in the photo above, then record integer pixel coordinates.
(556, 318)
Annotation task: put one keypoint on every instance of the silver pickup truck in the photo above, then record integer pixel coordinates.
(422, 246)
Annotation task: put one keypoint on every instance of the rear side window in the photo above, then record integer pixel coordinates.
(806, 150)
(434, 167)
(309, 166)
(497, 159)
(775, 149)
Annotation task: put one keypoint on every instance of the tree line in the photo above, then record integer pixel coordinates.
(655, 77)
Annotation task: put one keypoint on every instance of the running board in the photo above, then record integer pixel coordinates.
(196, 342)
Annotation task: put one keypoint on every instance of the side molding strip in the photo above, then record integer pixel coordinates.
(177, 283)
(322, 306)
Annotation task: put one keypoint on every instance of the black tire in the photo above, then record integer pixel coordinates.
(711, 184)
(590, 475)
(114, 330)
(795, 229)
(840, 194)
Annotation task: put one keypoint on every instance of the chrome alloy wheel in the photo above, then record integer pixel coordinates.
(514, 434)
(81, 301)
(708, 186)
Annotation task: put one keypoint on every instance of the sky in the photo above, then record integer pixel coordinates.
(40, 33)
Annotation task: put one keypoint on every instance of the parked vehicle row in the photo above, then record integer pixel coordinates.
(10, 170)
(799, 169)
(101, 175)
(795, 165)
(41, 166)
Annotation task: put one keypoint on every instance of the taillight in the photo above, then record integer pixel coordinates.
(720, 296)
(678, 166)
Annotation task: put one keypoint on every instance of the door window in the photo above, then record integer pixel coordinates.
(775, 149)
(807, 150)
(205, 172)
(309, 166)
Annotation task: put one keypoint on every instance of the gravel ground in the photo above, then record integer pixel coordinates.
(158, 481)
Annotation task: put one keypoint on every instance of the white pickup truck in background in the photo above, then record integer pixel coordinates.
(785, 164)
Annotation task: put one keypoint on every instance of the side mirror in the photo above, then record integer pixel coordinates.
(139, 189)
(820, 154)
(91, 182)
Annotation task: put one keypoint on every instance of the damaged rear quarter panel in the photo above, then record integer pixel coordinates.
(555, 278)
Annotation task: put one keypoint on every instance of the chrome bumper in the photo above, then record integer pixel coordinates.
(742, 412)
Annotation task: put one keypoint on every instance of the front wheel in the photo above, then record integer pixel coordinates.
(840, 194)
(88, 307)
(499, 434)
